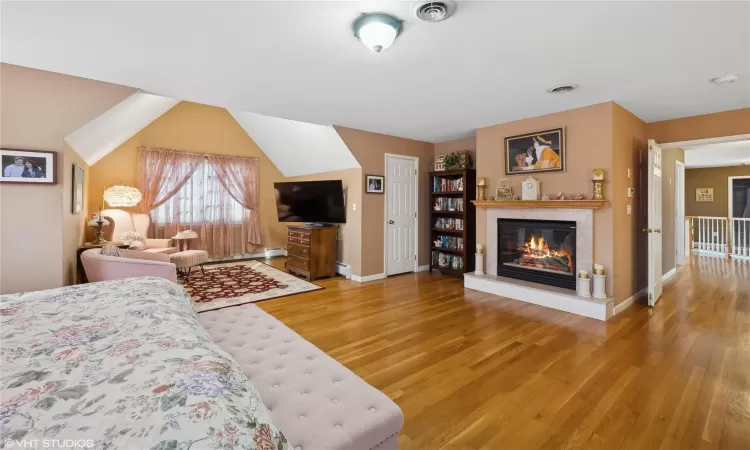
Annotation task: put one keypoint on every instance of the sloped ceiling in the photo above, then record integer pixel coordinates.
(718, 155)
(121, 122)
(297, 148)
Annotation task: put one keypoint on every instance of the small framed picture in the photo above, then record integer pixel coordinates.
(543, 151)
(78, 174)
(28, 166)
(374, 184)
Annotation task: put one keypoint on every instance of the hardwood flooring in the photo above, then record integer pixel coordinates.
(475, 371)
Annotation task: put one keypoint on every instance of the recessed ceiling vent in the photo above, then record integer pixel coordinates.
(562, 89)
(432, 12)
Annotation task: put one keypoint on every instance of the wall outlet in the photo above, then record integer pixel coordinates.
(630, 192)
(630, 173)
(629, 209)
(354, 206)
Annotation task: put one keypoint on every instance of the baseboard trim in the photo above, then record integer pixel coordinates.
(366, 278)
(423, 268)
(622, 306)
(669, 274)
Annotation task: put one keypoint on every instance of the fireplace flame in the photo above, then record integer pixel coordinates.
(537, 249)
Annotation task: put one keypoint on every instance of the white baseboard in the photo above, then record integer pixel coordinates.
(669, 274)
(366, 278)
(423, 268)
(622, 306)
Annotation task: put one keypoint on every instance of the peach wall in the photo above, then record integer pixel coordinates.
(74, 225)
(370, 149)
(716, 178)
(469, 143)
(588, 145)
(629, 251)
(36, 231)
(727, 123)
(349, 249)
(196, 128)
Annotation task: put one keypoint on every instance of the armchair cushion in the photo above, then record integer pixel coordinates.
(147, 256)
(100, 267)
(158, 243)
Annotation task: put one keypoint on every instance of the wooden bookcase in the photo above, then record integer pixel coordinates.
(455, 205)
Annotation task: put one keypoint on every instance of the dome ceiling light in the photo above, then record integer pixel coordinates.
(725, 79)
(377, 31)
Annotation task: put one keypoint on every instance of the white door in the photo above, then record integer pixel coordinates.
(401, 214)
(679, 212)
(654, 222)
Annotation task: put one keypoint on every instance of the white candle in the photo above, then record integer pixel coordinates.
(583, 273)
(598, 269)
(480, 249)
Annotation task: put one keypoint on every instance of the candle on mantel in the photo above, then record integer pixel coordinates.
(598, 269)
(480, 249)
(583, 273)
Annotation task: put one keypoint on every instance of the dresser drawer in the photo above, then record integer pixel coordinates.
(298, 250)
(296, 261)
(299, 234)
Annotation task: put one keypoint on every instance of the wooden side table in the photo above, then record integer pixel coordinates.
(80, 273)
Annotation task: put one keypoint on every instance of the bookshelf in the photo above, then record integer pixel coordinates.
(453, 224)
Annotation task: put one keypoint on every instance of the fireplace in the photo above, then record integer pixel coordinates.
(541, 251)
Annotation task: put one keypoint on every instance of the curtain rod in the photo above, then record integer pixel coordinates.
(164, 149)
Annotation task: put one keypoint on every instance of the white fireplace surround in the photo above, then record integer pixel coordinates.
(549, 296)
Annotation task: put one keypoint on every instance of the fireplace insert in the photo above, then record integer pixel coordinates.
(541, 251)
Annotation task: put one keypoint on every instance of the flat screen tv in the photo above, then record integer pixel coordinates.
(319, 202)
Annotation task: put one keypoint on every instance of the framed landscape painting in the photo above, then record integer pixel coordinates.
(543, 151)
(78, 174)
(28, 166)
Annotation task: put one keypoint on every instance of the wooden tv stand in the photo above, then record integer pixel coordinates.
(311, 251)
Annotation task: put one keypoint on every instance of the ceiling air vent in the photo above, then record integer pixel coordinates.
(432, 12)
(562, 89)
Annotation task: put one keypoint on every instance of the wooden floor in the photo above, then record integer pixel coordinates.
(475, 371)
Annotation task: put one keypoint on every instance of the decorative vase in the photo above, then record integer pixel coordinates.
(584, 287)
(599, 286)
(479, 264)
(99, 231)
(598, 189)
(464, 159)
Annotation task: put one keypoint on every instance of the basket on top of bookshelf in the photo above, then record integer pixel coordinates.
(452, 221)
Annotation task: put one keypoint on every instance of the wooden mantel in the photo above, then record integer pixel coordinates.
(569, 204)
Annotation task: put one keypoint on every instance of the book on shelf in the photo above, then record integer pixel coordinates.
(442, 184)
(449, 242)
(449, 204)
(446, 261)
(449, 223)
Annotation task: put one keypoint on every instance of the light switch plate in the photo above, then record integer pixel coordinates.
(629, 210)
(354, 206)
(630, 192)
(630, 172)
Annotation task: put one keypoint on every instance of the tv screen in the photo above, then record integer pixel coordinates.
(311, 201)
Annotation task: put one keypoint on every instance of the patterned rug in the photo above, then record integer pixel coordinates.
(237, 283)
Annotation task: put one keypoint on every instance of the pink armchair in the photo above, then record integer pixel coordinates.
(123, 221)
(100, 267)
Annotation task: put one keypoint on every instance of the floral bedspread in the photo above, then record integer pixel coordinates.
(122, 365)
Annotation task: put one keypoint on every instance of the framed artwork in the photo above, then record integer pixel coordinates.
(28, 166)
(543, 151)
(78, 174)
(374, 184)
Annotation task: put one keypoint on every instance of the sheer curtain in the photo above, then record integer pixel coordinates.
(203, 204)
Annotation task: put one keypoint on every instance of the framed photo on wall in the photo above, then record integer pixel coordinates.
(28, 166)
(78, 175)
(374, 184)
(542, 151)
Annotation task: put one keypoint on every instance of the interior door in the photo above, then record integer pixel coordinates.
(654, 223)
(679, 212)
(401, 214)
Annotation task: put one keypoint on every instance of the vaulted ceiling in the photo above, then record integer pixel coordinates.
(489, 63)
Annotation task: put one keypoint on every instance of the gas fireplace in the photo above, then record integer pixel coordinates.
(541, 251)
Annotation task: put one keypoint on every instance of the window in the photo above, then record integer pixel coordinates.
(201, 200)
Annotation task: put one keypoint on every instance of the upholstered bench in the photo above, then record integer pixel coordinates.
(187, 259)
(316, 402)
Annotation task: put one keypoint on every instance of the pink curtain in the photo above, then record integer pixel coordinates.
(161, 173)
(240, 176)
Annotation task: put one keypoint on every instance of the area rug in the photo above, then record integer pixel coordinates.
(238, 283)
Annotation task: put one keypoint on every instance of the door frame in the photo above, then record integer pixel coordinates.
(679, 223)
(729, 192)
(385, 211)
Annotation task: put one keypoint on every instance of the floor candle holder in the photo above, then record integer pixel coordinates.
(584, 287)
(479, 264)
(600, 282)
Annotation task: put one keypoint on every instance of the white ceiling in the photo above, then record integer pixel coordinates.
(297, 148)
(718, 155)
(490, 63)
(97, 138)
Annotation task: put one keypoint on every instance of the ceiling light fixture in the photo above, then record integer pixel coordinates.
(377, 31)
(725, 79)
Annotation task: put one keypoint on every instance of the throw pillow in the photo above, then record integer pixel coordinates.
(132, 236)
(111, 250)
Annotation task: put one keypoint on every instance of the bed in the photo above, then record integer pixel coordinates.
(123, 365)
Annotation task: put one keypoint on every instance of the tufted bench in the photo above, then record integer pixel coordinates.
(318, 403)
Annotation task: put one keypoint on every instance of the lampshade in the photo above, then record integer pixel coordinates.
(116, 196)
(377, 31)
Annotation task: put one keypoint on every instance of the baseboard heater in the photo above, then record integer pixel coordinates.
(343, 269)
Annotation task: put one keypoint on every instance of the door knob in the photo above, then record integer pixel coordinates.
(391, 222)
(647, 230)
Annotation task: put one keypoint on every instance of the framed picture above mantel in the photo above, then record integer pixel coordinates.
(541, 151)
